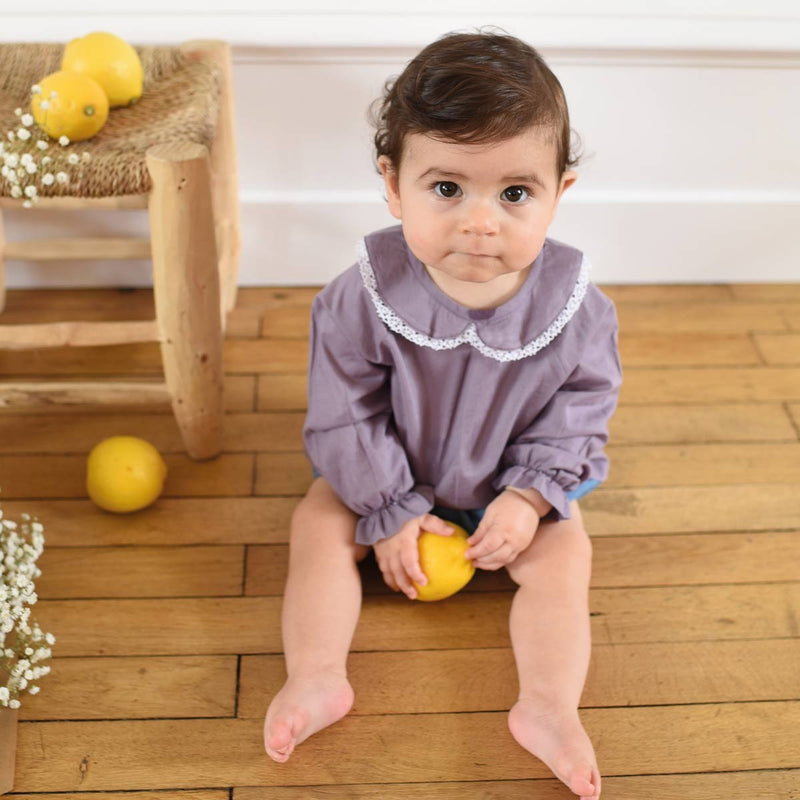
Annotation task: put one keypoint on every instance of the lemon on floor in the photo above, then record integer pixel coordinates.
(124, 473)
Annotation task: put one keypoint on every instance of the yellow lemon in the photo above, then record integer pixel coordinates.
(445, 566)
(70, 105)
(124, 473)
(111, 61)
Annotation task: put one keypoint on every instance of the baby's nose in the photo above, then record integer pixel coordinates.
(480, 218)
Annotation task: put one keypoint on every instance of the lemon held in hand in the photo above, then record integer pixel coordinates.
(71, 105)
(443, 561)
(124, 473)
(111, 61)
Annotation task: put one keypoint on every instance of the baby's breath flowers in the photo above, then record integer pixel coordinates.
(23, 645)
(31, 162)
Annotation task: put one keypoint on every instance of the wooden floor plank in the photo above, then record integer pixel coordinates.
(64, 476)
(170, 794)
(711, 385)
(731, 786)
(681, 509)
(688, 349)
(136, 688)
(209, 626)
(282, 473)
(457, 681)
(243, 432)
(178, 521)
(103, 756)
(682, 560)
(659, 424)
(266, 356)
(695, 317)
(765, 292)
(89, 572)
(700, 465)
(639, 294)
(289, 322)
(794, 413)
(282, 392)
(779, 348)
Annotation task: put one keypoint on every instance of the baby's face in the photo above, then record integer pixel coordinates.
(476, 212)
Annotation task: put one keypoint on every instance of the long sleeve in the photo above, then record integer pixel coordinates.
(564, 444)
(350, 435)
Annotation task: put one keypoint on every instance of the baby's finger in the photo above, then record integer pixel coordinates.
(494, 561)
(388, 579)
(406, 585)
(491, 541)
(436, 525)
(409, 560)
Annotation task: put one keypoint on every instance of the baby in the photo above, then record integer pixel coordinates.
(464, 370)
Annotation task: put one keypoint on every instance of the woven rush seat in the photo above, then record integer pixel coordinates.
(173, 153)
(180, 102)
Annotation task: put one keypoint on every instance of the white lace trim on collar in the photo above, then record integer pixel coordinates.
(470, 334)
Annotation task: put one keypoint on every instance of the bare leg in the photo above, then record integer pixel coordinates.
(551, 639)
(321, 606)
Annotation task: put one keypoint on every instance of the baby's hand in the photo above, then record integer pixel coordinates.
(398, 556)
(507, 528)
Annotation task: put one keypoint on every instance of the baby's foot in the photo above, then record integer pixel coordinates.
(302, 707)
(561, 742)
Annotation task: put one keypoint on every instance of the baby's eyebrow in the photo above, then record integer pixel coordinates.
(529, 178)
(440, 173)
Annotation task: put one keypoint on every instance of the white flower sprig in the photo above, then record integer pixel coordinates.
(23, 645)
(30, 161)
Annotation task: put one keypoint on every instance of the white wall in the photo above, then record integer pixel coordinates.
(688, 112)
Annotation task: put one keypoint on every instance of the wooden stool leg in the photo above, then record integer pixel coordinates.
(224, 173)
(186, 288)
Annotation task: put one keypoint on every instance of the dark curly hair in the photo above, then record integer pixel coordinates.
(474, 88)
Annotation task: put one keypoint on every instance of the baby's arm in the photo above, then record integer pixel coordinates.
(398, 556)
(507, 528)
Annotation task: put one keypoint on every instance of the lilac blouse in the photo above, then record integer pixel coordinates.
(416, 401)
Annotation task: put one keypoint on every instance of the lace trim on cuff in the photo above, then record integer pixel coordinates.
(470, 334)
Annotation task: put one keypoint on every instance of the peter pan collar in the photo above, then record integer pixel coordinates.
(520, 328)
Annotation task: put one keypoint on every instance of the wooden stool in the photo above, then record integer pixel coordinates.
(179, 164)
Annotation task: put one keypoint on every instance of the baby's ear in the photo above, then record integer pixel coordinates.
(567, 180)
(391, 184)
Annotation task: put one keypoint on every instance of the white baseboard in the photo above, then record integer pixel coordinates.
(629, 239)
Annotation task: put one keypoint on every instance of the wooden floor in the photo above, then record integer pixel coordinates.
(168, 620)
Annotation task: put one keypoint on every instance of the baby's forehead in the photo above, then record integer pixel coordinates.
(532, 150)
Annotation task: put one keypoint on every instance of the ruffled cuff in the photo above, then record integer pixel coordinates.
(527, 478)
(388, 520)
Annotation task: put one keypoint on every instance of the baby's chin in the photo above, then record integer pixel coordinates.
(470, 268)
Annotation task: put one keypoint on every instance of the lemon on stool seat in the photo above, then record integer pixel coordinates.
(124, 473)
(70, 105)
(111, 61)
(443, 561)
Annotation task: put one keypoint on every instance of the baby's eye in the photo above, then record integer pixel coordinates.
(515, 194)
(447, 189)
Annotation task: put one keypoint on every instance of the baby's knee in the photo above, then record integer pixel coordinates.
(320, 520)
(562, 548)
